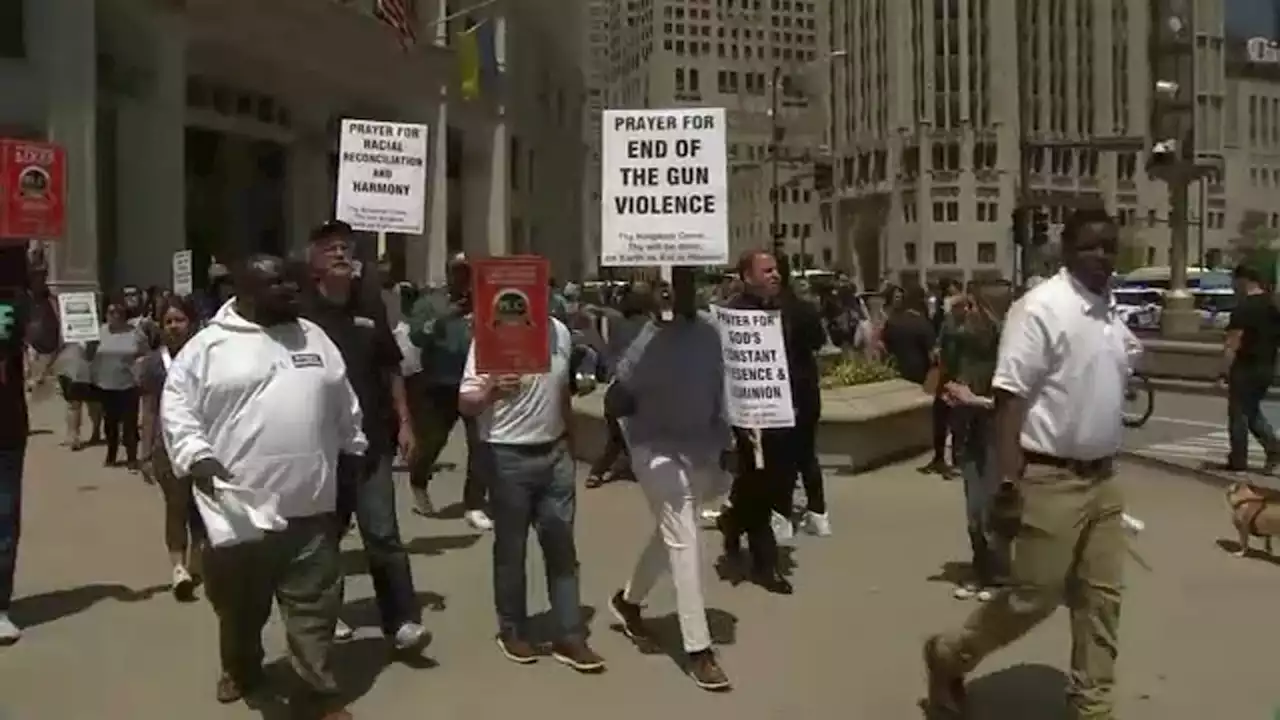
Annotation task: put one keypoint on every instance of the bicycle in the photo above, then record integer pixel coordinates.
(1140, 401)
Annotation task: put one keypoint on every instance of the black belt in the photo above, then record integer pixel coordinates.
(1101, 467)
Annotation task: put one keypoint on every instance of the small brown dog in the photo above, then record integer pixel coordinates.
(1254, 513)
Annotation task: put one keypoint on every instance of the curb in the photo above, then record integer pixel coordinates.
(1198, 387)
(1214, 478)
(1206, 477)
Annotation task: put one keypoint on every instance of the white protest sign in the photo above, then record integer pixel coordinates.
(78, 315)
(382, 176)
(665, 188)
(757, 385)
(183, 280)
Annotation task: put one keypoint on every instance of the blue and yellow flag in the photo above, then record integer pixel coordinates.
(469, 62)
(477, 58)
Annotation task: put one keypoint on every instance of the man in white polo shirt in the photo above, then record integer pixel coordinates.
(1065, 358)
(523, 423)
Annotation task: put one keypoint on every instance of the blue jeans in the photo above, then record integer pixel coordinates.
(533, 485)
(972, 439)
(11, 462)
(368, 489)
(1245, 393)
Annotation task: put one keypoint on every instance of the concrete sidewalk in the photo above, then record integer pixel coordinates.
(106, 640)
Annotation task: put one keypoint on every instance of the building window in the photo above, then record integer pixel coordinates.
(909, 253)
(953, 212)
(986, 253)
(944, 253)
(939, 212)
(13, 39)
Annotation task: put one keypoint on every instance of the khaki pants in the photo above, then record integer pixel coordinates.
(299, 568)
(1071, 549)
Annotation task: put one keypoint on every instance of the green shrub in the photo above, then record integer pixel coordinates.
(848, 371)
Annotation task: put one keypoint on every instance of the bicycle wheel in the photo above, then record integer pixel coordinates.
(1139, 401)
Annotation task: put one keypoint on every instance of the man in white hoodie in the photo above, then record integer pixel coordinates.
(257, 406)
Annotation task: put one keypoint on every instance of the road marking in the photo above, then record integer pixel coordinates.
(1187, 422)
(1212, 447)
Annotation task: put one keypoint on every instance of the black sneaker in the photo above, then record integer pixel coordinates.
(632, 621)
(707, 673)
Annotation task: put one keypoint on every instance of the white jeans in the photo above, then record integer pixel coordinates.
(674, 488)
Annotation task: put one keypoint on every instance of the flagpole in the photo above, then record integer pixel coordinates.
(463, 12)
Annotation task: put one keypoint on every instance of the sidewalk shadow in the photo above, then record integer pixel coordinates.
(357, 665)
(363, 612)
(354, 562)
(453, 511)
(1252, 553)
(1019, 692)
(952, 572)
(665, 632)
(34, 610)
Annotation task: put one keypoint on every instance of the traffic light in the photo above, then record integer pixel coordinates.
(823, 180)
(1171, 54)
(1018, 220)
(1040, 228)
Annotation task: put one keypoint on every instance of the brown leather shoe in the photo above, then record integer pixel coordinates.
(517, 650)
(946, 698)
(707, 673)
(578, 655)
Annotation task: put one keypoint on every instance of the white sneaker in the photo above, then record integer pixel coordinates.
(817, 524)
(783, 530)
(183, 584)
(422, 502)
(965, 592)
(9, 632)
(985, 594)
(411, 636)
(342, 632)
(478, 520)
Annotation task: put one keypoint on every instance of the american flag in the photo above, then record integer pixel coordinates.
(400, 16)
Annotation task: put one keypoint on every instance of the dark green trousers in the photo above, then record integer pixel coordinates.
(299, 569)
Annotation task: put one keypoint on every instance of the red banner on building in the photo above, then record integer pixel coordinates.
(32, 189)
(512, 322)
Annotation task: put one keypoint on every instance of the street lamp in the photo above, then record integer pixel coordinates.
(775, 141)
(1172, 157)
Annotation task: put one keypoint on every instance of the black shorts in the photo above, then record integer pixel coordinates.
(76, 391)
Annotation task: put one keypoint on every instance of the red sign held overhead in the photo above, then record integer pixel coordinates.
(511, 297)
(32, 189)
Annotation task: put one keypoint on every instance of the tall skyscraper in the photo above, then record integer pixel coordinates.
(951, 113)
(727, 53)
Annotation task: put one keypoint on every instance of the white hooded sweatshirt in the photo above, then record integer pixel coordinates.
(272, 404)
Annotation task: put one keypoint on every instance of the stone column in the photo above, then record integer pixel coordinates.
(427, 254)
(151, 140)
(498, 205)
(309, 197)
(64, 49)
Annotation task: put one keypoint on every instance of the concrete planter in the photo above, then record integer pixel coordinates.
(864, 426)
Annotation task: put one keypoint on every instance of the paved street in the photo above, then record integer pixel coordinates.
(1191, 430)
(105, 638)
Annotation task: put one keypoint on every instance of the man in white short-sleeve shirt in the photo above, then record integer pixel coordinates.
(523, 423)
(1064, 361)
